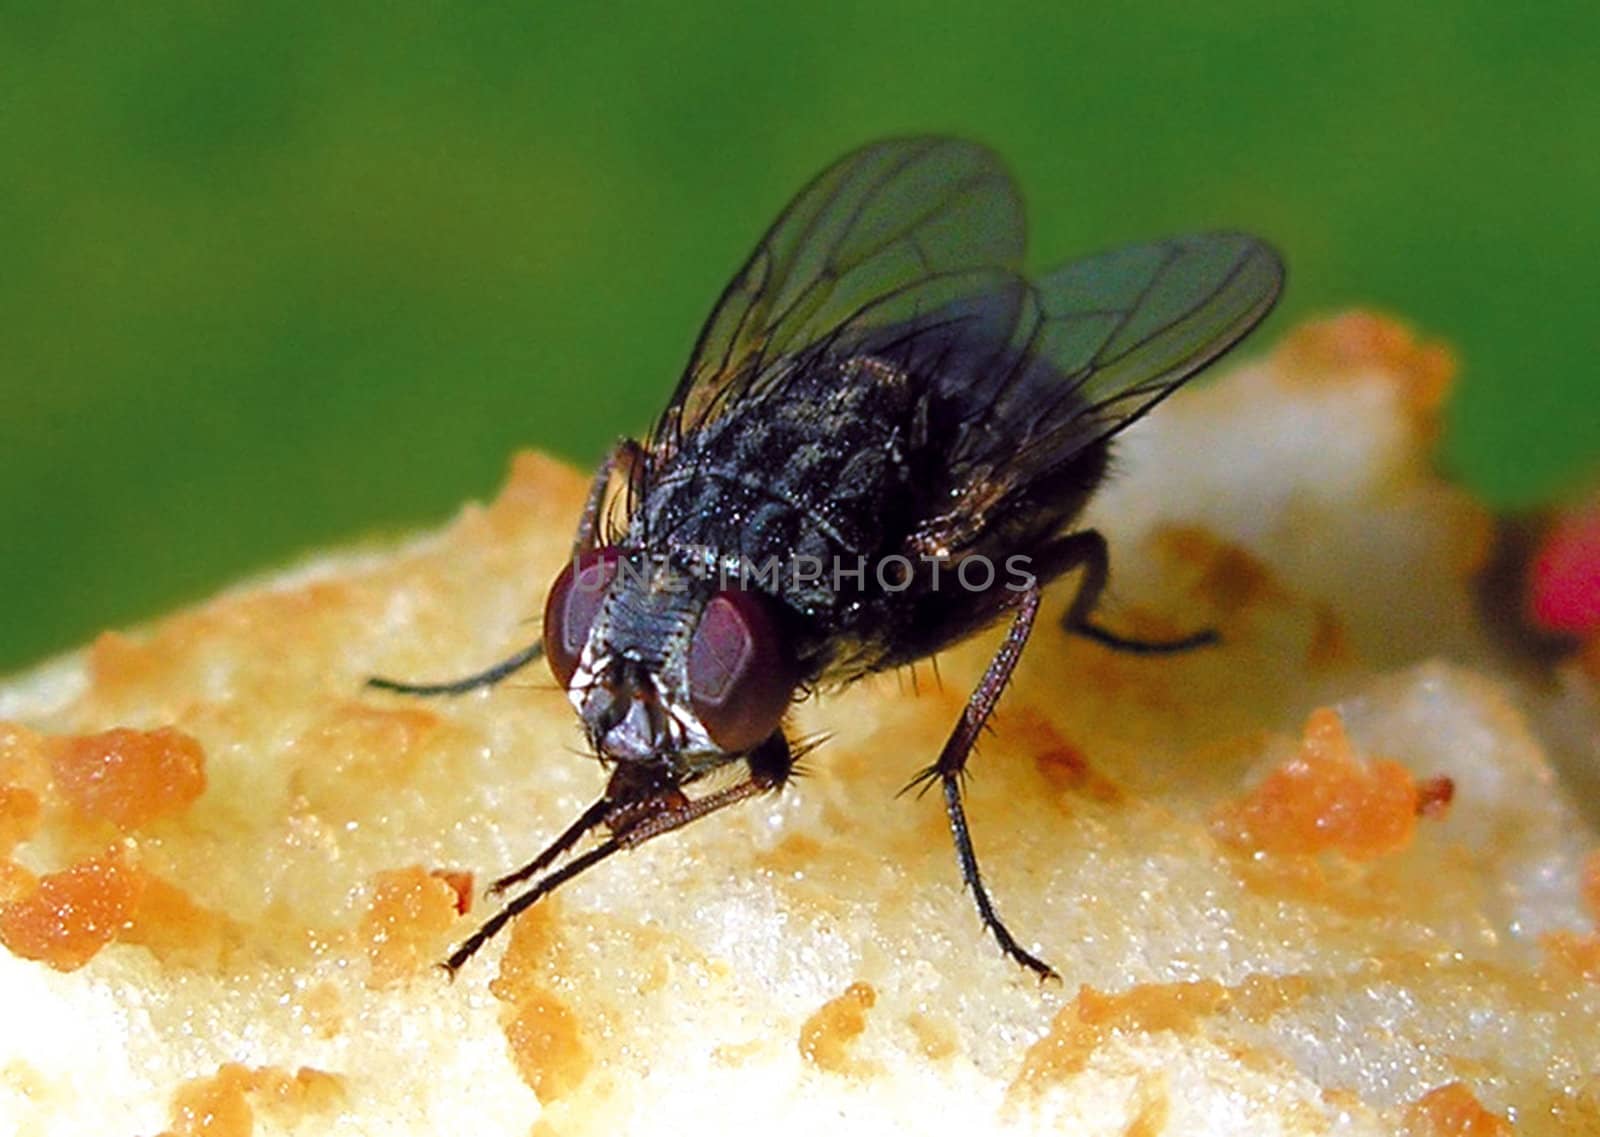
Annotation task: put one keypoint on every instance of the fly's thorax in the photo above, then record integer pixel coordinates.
(778, 491)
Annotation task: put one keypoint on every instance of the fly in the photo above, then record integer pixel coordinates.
(880, 447)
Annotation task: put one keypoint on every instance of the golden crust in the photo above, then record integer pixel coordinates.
(1322, 879)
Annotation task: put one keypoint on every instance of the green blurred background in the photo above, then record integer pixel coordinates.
(283, 275)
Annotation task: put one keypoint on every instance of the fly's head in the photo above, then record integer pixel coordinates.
(664, 667)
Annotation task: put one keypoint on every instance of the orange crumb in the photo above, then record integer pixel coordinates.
(1325, 799)
(531, 956)
(547, 1045)
(1451, 1110)
(66, 917)
(405, 926)
(1231, 577)
(175, 929)
(117, 662)
(214, 1106)
(460, 881)
(739, 1053)
(1091, 1018)
(1152, 1104)
(1342, 1098)
(1423, 371)
(1260, 997)
(218, 1107)
(935, 1037)
(544, 1035)
(1589, 886)
(19, 816)
(1434, 796)
(1575, 952)
(1580, 953)
(22, 758)
(306, 1089)
(827, 1037)
(129, 777)
(71, 915)
(1302, 880)
(797, 852)
(16, 882)
(1062, 764)
(364, 746)
(321, 1008)
(1330, 641)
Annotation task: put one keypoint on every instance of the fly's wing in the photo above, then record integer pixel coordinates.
(907, 251)
(1087, 350)
(1028, 384)
(1125, 329)
(878, 225)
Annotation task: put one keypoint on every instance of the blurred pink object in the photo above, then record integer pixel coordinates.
(1564, 578)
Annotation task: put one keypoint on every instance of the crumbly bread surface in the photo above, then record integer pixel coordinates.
(1331, 877)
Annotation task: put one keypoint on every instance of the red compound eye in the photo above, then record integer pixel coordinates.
(740, 676)
(572, 605)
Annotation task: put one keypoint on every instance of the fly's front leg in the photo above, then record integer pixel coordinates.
(587, 820)
(769, 766)
(1087, 550)
(952, 764)
(633, 821)
(626, 454)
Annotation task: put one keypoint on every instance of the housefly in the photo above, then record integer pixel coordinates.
(880, 446)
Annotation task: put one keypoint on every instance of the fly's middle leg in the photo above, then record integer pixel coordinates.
(625, 455)
(1087, 550)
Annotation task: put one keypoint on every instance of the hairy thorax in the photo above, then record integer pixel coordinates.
(792, 493)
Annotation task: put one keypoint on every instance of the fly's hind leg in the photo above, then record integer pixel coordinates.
(626, 455)
(952, 764)
(1087, 549)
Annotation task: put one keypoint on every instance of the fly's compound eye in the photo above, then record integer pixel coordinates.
(740, 676)
(572, 605)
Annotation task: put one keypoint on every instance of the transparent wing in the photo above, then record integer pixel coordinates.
(869, 229)
(1022, 379)
(1116, 333)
